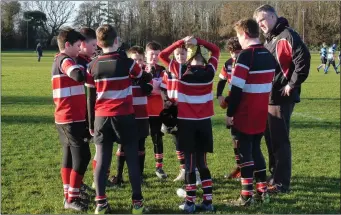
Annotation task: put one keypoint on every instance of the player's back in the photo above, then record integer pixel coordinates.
(111, 75)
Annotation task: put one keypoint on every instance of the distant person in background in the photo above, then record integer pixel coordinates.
(331, 59)
(323, 54)
(39, 51)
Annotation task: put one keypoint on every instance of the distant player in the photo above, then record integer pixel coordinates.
(323, 56)
(39, 51)
(331, 59)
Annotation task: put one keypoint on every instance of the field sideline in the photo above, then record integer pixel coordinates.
(31, 152)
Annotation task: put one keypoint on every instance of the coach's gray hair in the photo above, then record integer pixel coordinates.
(265, 8)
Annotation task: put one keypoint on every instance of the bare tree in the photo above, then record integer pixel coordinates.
(58, 13)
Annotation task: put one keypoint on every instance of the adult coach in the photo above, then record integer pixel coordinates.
(293, 64)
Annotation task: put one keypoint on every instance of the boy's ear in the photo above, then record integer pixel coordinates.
(67, 44)
(117, 41)
(99, 44)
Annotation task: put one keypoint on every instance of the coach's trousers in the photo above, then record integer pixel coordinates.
(278, 143)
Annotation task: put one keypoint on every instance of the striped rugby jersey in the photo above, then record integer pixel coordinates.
(68, 94)
(252, 80)
(194, 97)
(111, 74)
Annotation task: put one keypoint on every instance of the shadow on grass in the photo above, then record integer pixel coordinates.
(308, 195)
(18, 119)
(322, 99)
(307, 124)
(27, 100)
(314, 124)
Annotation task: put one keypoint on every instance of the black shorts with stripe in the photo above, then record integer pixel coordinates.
(195, 135)
(122, 129)
(323, 60)
(72, 134)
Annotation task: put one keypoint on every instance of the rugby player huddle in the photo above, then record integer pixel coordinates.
(123, 97)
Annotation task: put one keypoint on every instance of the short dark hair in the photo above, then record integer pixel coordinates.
(153, 46)
(248, 26)
(136, 50)
(106, 35)
(264, 8)
(233, 44)
(70, 35)
(88, 33)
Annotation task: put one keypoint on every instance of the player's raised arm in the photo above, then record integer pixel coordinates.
(166, 53)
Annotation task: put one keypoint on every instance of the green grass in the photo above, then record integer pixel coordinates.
(31, 152)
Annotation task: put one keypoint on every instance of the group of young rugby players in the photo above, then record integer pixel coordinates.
(123, 97)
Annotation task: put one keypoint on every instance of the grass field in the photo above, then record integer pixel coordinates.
(31, 152)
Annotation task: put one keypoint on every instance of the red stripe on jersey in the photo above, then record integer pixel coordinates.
(139, 103)
(140, 111)
(284, 56)
(135, 71)
(194, 89)
(241, 71)
(119, 83)
(264, 77)
(195, 111)
(155, 105)
(114, 107)
(223, 73)
(70, 109)
(89, 80)
(257, 118)
(68, 65)
(137, 92)
(62, 81)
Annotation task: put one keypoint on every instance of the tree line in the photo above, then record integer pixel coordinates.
(24, 24)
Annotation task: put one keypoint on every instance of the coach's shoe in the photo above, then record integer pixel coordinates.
(261, 198)
(160, 173)
(277, 188)
(103, 208)
(205, 207)
(181, 176)
(187, 208)
(242, 201)
(139, 208)
(76, 204)
(235, 174)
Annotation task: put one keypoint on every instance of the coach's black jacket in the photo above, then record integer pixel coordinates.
(293, 62)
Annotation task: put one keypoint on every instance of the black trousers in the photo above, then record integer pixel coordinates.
(278, 143)
(122, 129)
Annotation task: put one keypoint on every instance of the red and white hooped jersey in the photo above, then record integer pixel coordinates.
(111, 75)
(68, 94)
(194, 100)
